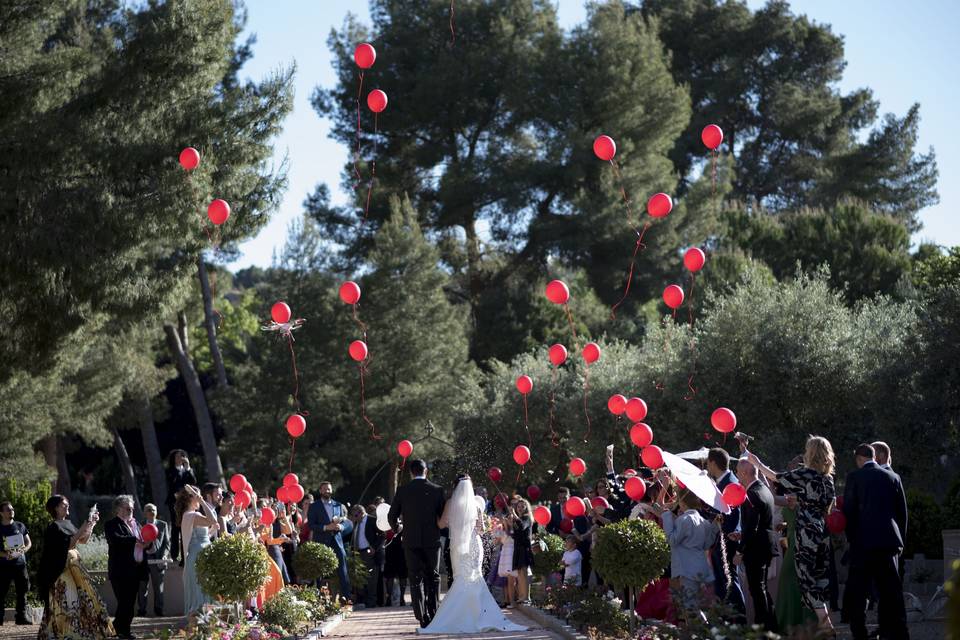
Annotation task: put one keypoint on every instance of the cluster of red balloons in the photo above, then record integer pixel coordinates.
(365, 55)
(242, 490)
(218, 210)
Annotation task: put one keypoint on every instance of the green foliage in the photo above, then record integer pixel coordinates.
(630, 553)
(287, 610)
(314, 560)
(548, 560)
(232, 568)
(926, 522)
(600, 617)
(357, 572)
(29, 501)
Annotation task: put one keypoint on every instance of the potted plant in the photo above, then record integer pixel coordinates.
(233, 568)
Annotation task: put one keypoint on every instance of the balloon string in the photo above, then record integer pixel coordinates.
(293, 446)
(453, 31)
(360, 324)
(553, 400)
(356, 157)
(713, 171)
(586, 388)
(693, 281)
(633, 261)
(623, 190)
(526, 425)
(373, 173)
(573, 329)
(519, 473)
(692, 391)
(296, 376)
(363, 409)
(214, 241)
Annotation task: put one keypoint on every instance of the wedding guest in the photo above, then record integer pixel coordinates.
(556, 510)
(274, 535)
(289, 548)
(368, 542)
(759, 543)
(226, 515)
(72, 605)
(197, 520)
(14, 545)
(728, 590)
(790, 610)
(690, 536)
(571, 562)
(126, 562)
(156, 555)
(328, 524)
(505, 570)
(179, 474)
(882, 455)
(395, 569)
(521, 521)
(813, 486)
(212, 494)
(875, 507)
(304, 522)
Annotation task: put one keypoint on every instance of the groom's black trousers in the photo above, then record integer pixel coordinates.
(423, 565)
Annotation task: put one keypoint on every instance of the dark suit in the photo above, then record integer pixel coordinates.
(318, 518)
(373, 557)
(124, 571)
(758, 545)
(419, 503)
(876, 511)
(732, 594)
(156, 555)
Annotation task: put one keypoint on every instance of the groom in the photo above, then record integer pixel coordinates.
(419, 504)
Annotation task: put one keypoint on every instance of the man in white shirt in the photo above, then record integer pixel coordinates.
(368, 542)
(571, 562)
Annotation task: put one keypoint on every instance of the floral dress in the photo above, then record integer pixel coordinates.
(815, 493)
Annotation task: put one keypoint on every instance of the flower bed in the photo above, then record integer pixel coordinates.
(595, 614)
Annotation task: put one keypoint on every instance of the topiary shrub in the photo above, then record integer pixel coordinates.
(314, 560)
(233, 568)
(547, 560)
(287, 611)
(630, 553)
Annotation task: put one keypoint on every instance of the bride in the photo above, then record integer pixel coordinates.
(468, 606)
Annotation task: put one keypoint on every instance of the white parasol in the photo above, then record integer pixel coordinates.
(382, 522)
(700, 454)
(696, 480)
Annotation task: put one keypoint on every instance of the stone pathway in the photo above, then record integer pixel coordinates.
(398, 623)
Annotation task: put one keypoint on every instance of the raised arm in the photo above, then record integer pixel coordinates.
(767, 472)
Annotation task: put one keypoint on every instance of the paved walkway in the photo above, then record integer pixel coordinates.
(389, 623)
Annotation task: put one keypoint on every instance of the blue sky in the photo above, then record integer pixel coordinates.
(905, 52)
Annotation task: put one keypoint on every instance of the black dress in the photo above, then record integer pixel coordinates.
(53, 560)
(522, 554)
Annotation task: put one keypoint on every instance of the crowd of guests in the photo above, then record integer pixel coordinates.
(769, 560)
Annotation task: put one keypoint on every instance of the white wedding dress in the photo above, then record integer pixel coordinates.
(468, 606)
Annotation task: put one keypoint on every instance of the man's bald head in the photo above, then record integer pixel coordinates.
(746, 472)
(882, 451)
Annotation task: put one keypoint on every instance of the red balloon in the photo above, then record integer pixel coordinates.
(295, 493)
(280, 312)
(574, 507)
(599, 501)
(558, 292)
(282, 495)
(617, 404)
(350, 292)
(405, 448)
(652, 456)
(521, 455)
(659, 205)
(524, 385)
(148, 533)
(566, 525)
(673, 296)
(629, 472)
(533, 492)
(500, 500)
(694, 259)
(734, 495)
(836, 522)
(218, 211)
(291, 479)
(591, 352)
(558, 354)
(542, 516)
(358, 350)
(495, 474)
(237, 482)
(296, 425)
(377, 100)
(635, 488)
(641, 435)
(189, 158)
(243, 498)
(712, 136)
(577, 467)
(636, 409)
(267, 516)
(364, 55)
(249, 488)
(723, 420)
(605, 148)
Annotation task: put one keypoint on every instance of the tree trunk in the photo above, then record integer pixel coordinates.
(53, 453)
(210, 323)
(126, 470)
(151, 450)
(183, 330)
(199, 401)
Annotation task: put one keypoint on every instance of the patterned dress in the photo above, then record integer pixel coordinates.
(815, 493)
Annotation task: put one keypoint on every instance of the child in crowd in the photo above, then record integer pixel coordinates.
(571, 562)
(690, 536)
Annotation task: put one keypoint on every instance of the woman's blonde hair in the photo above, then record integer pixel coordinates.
(818, 455)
